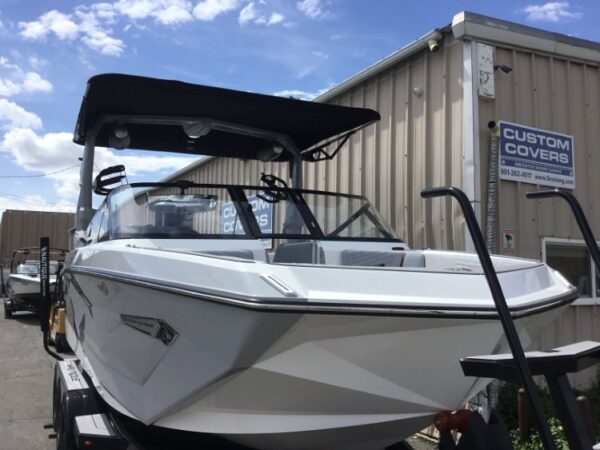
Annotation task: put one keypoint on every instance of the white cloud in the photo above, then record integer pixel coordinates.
(551, 12)
(36, 62)
(167, 12)
(247, 14)
(14, 80)
(52, 21)
(9, 88)
(105, 12)
(207, 10)
(89, 24)
(300, 95)
(312, 8)
(33, 203)
(54, 151)
(275, 19)
(33, 82)
(13, 116)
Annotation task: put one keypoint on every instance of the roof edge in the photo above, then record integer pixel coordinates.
(468, 25)
(379, 66)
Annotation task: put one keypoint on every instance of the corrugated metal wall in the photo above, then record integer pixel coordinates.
(24, 229)
(553, 94)
(564, 96)
(418, 143)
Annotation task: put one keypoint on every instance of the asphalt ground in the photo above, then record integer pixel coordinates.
(26, 372)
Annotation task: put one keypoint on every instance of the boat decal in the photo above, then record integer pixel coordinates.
(156, 328)
(304, 307)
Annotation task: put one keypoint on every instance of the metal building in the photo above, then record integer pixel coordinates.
(436, 97)
(24, 228)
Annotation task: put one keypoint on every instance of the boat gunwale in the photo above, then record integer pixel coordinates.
(304, 307)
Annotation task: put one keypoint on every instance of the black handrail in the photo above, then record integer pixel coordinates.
(501, 306)
(582, 222)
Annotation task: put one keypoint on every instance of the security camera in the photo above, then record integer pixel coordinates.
(434, 45)
(503, 68)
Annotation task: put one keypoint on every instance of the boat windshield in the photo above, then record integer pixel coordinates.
(33, 268)
(187, 211)
(164, 212)
(28, 269)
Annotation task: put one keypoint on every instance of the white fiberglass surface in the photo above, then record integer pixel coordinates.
(432, 286)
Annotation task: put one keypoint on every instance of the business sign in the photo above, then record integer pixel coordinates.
(536, 156)
(263, 212)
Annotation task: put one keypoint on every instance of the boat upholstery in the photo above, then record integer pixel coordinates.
(296, 252)
(413, 259)
(370, 258)
(382, 259)
(242, 254)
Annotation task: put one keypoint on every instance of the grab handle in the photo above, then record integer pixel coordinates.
(501, 306)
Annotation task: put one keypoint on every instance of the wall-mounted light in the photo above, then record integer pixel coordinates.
(119, 137)
(434, 45)
(270, 153)
(418, 91)
(197, 128)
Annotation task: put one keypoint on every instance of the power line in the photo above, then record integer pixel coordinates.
(42, 174)
(25, 199)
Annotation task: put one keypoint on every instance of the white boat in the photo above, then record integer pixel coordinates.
(340, 337)
(23, 284)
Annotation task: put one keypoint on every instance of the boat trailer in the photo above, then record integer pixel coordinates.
(81, 419)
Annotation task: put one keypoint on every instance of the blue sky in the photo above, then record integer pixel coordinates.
(288, 47)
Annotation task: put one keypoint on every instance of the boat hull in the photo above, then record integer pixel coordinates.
(275, 379)
(24, 291)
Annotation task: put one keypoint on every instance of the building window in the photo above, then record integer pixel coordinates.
(572, 259)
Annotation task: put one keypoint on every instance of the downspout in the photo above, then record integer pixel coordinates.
(492, 192)
(493, 389)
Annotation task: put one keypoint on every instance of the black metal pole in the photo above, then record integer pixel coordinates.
(501, 306)
(582, 222)
(44, 310)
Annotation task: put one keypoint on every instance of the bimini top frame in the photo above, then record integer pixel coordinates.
(124, 111)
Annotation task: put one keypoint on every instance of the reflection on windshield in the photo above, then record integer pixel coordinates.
(341, 216)
(33, 268)
(197, 211)
(166, 213)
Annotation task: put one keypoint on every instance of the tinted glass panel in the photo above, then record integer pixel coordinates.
(573, 262)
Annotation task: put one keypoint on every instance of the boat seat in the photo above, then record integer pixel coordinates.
(296, 252)
(413, 259)
(242, 254)
(371, 258)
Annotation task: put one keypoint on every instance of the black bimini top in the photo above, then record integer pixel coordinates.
(304, 123)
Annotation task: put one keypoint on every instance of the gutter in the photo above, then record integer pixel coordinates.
(380, 66)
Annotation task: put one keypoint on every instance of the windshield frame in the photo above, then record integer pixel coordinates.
(248, 219)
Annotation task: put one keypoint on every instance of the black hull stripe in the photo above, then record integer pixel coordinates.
(303, 307)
